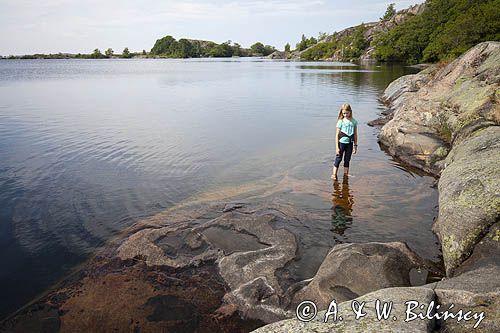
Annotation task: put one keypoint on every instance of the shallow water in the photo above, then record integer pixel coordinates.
(88, 147)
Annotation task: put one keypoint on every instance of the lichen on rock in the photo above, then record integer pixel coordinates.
(445, 121)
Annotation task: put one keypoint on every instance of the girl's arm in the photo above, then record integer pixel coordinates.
(355, 139)
(337, 149)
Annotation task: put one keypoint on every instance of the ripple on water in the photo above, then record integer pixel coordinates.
(88, 147)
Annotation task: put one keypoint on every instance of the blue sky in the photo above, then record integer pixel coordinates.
(28, 26)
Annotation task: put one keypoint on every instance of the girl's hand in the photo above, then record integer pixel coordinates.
(355, 149)
(337, 150)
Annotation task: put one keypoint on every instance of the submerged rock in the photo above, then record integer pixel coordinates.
(215, 269)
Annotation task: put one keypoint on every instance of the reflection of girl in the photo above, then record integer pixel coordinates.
(346, 139)
(342, 201)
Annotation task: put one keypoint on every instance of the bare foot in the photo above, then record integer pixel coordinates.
(334, 177)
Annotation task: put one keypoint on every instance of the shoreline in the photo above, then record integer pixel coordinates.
(231, 209)
(468, 227)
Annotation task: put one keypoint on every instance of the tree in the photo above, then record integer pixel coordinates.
(305, 43)
(109, 52)
(287, 47)
(389, 12)
(144, 52)
(126, 53)
(164, 45)
(302, 45)
(259, 49)
(97, 54)
(184, 49)
(236, 49)
(322, 35)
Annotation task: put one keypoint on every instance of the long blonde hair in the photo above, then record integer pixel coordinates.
(344, 107)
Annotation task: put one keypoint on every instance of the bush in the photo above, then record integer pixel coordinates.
(444, 30)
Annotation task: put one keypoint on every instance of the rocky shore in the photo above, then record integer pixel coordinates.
(215, 268)
(237, 266)
(444, 120)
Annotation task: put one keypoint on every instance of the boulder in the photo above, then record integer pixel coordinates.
(351, 270)
(469, 199)
(369, 323)
(477, 291)
(475, 286)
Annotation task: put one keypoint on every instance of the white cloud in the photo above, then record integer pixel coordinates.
(28, 26)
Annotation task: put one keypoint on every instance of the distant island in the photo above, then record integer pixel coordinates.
(168, 47)
(437, 30)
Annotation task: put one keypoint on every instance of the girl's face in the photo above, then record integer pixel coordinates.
(346, 113)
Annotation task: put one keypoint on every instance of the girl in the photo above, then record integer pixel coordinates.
(346, 139)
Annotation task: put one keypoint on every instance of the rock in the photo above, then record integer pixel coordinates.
(369, 323)
(247, 249)
(445, 122)
(278, 55)
(404, 84)
(216, 268)
(468, 195)
(351, 270)
(250, 273)
(486, 252)
(232, 206)
(380, 121)
(477, 291)
(433, 109)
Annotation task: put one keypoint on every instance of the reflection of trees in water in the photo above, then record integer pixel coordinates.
(356, 78)
(342, 201)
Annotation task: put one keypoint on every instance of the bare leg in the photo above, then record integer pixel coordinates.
(334, 174)
(346, 172)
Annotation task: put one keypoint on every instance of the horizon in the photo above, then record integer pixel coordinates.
(73, 27)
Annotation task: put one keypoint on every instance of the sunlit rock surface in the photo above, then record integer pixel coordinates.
(445, 121)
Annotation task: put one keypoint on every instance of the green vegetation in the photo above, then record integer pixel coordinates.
(305, 43)
(126, 53)
(349, 46)
(169, 47)
(96, 54)
(445, 30)
(389, 12)
(287, 47)
(261, 49)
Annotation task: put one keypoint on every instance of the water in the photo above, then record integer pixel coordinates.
(88, 147)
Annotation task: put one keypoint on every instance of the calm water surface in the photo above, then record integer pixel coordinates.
(88, 147)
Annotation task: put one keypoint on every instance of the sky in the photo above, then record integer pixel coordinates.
(51, 26)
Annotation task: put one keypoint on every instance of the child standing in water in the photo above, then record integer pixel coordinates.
(346, 139)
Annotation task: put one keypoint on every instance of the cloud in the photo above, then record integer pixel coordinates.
(29, 26)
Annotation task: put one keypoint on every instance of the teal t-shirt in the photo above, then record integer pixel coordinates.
(347, 126)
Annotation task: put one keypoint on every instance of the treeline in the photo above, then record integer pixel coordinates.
(445, 30)
(347, 47)
(109, 53)
(96, 54)
(169, 47)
